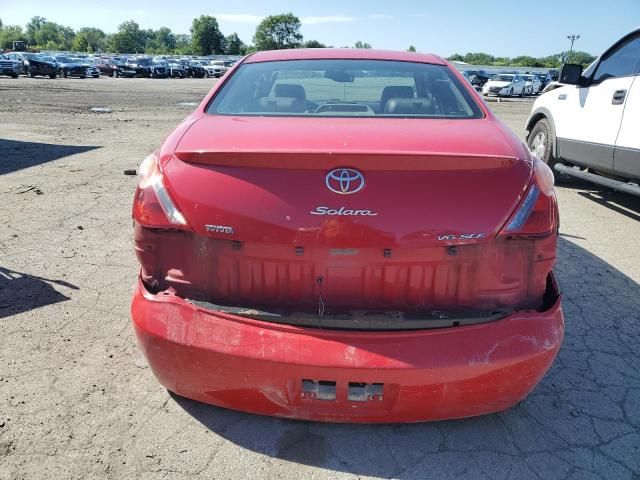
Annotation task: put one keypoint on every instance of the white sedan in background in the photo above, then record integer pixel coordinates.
(216, 68)
(505, 85)
(532, 83)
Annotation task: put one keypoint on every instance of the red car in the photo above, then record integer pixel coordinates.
(347, 235)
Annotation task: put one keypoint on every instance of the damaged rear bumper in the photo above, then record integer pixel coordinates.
(345, 376)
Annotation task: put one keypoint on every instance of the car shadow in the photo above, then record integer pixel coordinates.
(16, 155)
(20, 292)
(622, 203)
(577, 420)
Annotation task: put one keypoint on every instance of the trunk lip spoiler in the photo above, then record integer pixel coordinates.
(370, 160)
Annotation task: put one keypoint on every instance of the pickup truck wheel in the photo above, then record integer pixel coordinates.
(540, 141)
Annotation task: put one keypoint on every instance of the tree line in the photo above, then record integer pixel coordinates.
(551, 61)
(205, 38)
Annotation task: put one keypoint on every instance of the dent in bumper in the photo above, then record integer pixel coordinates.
(259, 367)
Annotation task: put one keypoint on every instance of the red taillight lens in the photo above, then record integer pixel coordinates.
(537, 213)
(152, 205)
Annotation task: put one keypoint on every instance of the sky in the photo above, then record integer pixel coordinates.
(502, 28)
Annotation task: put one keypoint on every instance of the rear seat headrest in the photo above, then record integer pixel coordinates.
(290, 90)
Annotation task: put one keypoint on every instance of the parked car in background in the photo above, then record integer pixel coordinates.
(306, 253)
(477, 78)
(109, 66)
(176, 70)
(544, 79)
(588, 126)
(216, 68)
(505, 85)
(159, 69)
(532, 84)
(193, 68)
(68, 67)
(9, 67)
(136, 67)
(36, 65)
(90, 65)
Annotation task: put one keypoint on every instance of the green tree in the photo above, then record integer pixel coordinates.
(502, 61)
(360, 44)
(411, 48)
(32, 28)
(583, 58)
(166, 39)
(313, 44)
(206, 37)
(10, 34)
(89, 39)
(526, 61)
(80, 44)
(456, 57)
(183, 44)
(128, 39)
(552, 61)
(479, 58)
(160, 41)
(54, 36)
(277, 32)
(234, 46)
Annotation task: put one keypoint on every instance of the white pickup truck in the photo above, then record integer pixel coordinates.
(589, 127)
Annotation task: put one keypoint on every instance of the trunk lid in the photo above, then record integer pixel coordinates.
(266, 179)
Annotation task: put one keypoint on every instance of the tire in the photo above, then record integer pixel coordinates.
(32, 74)
(14, 75)
(522, 94)
(96, 76)
(510, 92)
(65, 73)
(52, 76)
(83, 76)
(540, 141)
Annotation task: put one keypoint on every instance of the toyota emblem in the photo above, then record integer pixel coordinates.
(344, 181)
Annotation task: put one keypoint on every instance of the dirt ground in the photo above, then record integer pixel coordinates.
(77, 400)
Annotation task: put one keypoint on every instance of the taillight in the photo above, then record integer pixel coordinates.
(152, 205)
(537, 213)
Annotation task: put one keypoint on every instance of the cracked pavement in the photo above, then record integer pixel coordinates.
(77, 400)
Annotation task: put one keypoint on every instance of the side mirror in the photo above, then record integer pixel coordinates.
(571, 74)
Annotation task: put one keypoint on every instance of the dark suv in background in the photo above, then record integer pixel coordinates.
(35, 65)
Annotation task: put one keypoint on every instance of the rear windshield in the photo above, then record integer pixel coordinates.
(345, 88)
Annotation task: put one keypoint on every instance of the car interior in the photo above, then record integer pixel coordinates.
(427, 91)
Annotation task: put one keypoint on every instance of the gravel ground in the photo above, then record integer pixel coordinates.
(77, 400)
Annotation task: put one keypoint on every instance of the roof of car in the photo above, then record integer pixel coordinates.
(342, 53)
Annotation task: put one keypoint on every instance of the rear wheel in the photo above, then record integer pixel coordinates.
(52, 76)
(540, 141)
(14, 75)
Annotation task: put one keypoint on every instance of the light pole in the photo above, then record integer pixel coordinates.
(573, 37)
